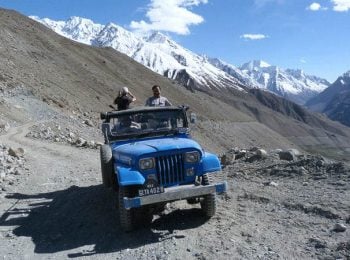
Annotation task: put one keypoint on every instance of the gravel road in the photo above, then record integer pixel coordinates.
(60, 210)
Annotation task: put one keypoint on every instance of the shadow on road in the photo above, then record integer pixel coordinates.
(79, 216)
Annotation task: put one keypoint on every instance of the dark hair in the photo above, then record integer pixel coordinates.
(156, 86)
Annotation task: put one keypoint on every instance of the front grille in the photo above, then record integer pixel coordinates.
(170, 169)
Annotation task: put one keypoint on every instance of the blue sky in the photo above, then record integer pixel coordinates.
(309, 35)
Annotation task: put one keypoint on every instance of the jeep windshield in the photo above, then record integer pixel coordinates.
(147, 122)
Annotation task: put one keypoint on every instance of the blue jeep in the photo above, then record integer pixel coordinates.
(149, 159)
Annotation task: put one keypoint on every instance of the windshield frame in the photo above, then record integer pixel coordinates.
(180, 113)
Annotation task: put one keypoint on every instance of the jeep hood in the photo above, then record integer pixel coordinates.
(139, 148)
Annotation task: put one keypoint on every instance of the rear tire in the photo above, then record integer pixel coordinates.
(107, 168)
(208, 203)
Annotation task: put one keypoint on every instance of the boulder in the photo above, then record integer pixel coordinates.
(5, 127)
(91, 144)
(80, 142)
(295, 152)
(88, 122)
(339, 227)
(240, 154)
(287, 155)
(227, 158)
(16, 152)
(261, 153)
(254, 149)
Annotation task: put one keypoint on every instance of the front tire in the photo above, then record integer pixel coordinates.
(126, 216)
(106, 165)
(208, 203)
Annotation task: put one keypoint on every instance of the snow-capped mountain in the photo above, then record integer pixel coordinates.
(234, 71)
(164, 56)
(291, 84)
(75, 28)
(155, 51)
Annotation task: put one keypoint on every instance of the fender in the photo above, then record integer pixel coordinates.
(128, 176)
(210, 163)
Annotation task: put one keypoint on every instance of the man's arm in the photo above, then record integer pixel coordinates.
(132, 96)
(167, 103)
(130, 99)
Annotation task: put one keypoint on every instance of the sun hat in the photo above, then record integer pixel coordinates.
(124, 90)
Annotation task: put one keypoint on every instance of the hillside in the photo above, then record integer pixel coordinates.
(334, 101)
(74, 77)
(339, 108)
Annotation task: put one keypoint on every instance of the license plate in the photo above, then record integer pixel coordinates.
(150, 190)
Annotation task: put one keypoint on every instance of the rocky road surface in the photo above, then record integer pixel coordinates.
(274, 209)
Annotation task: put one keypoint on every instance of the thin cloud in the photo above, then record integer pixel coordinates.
(302, 60)
(170, 16)
(341, 5)
(262, 3)
(253, 37)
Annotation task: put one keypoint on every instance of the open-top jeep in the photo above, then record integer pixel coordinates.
(149, 159)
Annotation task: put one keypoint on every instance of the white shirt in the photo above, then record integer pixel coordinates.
(157, 102)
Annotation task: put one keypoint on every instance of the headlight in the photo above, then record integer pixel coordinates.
(146, 163)
(192, 157)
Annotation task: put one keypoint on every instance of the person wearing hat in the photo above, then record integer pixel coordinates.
(124, 99)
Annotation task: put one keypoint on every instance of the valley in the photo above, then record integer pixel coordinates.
(287, 168)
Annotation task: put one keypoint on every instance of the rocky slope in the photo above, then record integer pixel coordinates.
(78, 80)
(335, 100)
(339, 108)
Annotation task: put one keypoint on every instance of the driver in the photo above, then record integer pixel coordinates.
(126, 124)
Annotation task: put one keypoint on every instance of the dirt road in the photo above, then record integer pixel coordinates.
(60, 211)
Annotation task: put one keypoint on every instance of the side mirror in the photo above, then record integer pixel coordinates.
(193, 118)
(185, 107)
(103, 115)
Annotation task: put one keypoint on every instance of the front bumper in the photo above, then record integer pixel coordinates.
(175, 193)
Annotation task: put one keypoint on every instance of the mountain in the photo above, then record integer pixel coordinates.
(156, 51)
(41, 69)
(335, 100)
(294, 85)
(76, 28)
(196, 72)
(234, 71)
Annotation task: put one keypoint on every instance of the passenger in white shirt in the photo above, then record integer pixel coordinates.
(157, 100)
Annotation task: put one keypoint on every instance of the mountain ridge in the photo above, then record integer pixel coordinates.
(335, 100)
(294, 85)
(164, 56)
(80, 79)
